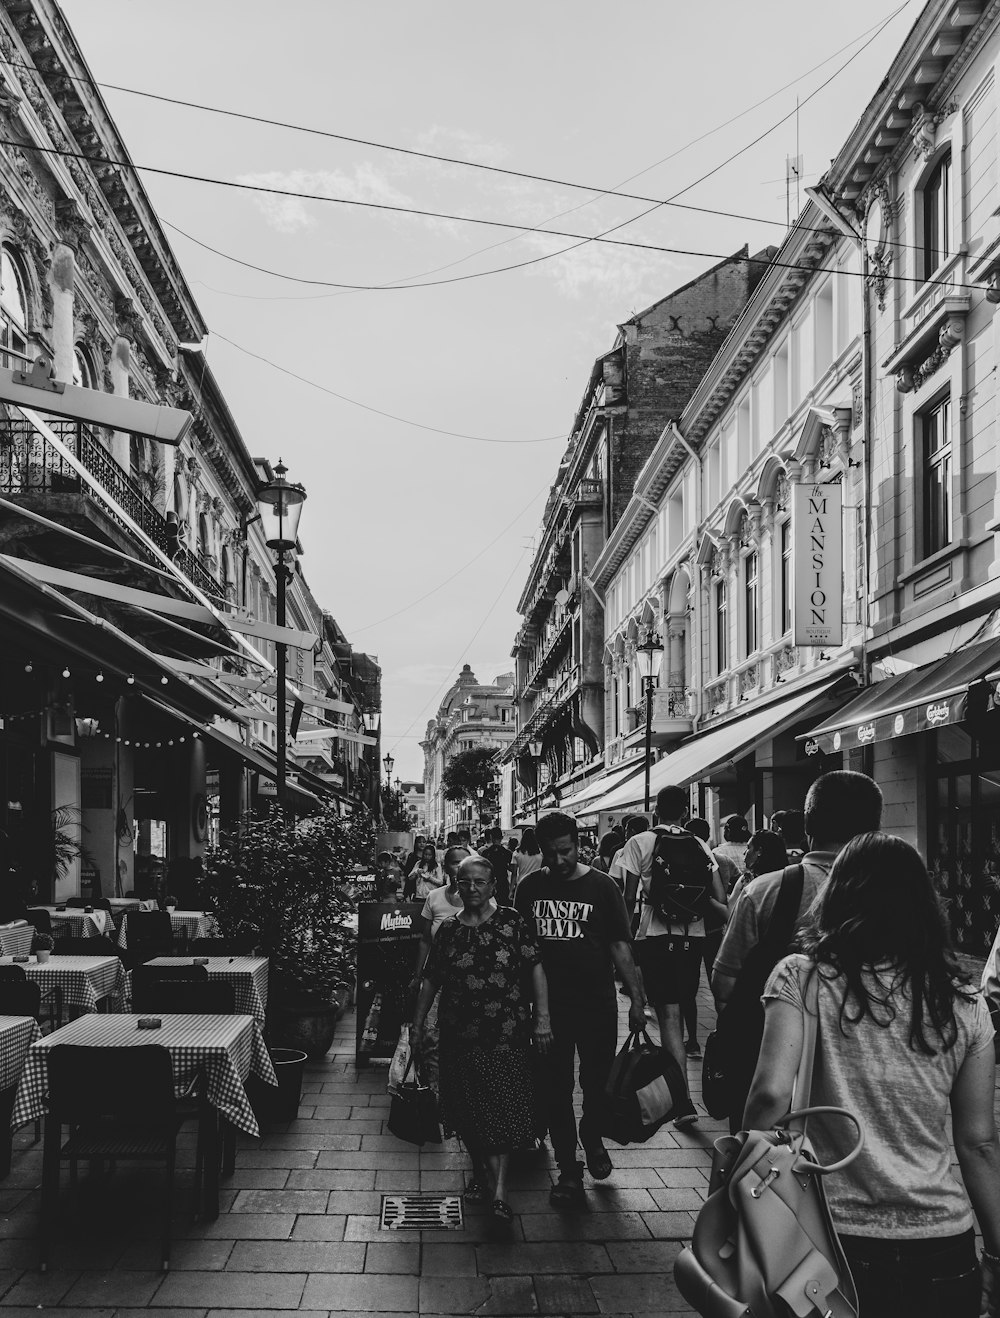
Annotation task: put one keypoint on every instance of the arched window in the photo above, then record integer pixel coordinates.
(83, 375)
(13, 308)
(721, 628)
(204, 540)
(751, 602)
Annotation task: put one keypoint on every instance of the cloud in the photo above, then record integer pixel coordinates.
(291, 214)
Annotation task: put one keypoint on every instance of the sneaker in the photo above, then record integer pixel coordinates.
(598, 1162)
(692, 1048)
(568, 1189)
(687, 1115)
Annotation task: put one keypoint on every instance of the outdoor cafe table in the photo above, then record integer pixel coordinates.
(17, 1034)
(247, 974)
(196, 924)
(79, 923)
(84, 980)
(15, 938)
(226, 1049)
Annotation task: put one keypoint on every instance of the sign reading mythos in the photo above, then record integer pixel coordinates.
(817, 524)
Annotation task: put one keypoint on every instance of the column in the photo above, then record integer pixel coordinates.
(73, 232)
(121, 365)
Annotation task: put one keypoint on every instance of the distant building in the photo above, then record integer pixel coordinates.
(471, 714)
(415, 806)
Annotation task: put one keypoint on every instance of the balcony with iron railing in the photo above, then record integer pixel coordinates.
(30, 466)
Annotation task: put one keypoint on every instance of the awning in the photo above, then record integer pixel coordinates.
(928, 697)
(697, 757)
(298, 796)
(599, 786)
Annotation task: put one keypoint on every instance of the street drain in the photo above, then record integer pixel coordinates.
(422, 1212)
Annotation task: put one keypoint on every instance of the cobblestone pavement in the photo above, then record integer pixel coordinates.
(300, 1224)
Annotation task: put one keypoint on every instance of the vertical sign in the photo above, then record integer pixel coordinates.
(818, 565)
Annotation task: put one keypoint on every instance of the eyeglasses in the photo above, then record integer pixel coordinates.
(474, 883)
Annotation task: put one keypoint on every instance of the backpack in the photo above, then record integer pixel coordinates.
(680, 879)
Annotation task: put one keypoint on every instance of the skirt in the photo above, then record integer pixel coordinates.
(488, 1098)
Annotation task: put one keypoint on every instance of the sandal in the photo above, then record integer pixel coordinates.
(502, 1210)
(599, 1164)
(567, 1192)
(476, 1192)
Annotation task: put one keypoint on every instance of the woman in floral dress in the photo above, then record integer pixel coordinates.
(487, 966)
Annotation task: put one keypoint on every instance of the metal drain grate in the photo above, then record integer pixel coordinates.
(422, 1212)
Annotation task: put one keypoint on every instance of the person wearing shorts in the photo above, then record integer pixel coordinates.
(669, 955)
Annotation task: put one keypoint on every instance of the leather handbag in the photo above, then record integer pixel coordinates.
(764, 1243)
(413, 1112)
(645, 1087)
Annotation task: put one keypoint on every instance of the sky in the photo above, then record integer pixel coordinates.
(418, 542)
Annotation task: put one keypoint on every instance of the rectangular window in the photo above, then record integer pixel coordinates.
(786, 576)
(721, 628)
(859, 561)
(823, 328)
(937, 216)
(936, 453)
(781, 407)
(616, 706)
(751, 601)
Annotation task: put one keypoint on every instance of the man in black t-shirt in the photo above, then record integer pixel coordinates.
(499, 858)
(583, 930)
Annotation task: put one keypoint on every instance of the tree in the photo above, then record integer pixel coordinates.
(395, 810)
(469, 772)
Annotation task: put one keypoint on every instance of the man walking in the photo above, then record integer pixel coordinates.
(668, 946)
(499, 858)
(839, 805)
(583, 930)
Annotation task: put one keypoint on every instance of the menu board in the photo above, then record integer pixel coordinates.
(388, 938)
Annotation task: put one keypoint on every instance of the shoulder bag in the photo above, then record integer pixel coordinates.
(764, 1243)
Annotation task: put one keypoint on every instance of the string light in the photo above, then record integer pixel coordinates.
(163, 681)
(65, 672)
(99, 677)
(28, 667)
(130, 680)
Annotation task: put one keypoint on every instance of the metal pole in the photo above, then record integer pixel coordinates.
(281, 657)
(649, 732)
(538, 774)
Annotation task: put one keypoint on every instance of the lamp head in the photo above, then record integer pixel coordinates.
(280, 505)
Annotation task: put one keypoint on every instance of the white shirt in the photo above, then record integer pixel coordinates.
(636, 857)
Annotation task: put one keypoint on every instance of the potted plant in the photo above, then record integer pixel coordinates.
(42, 945)
(285, 883)
(170, 902)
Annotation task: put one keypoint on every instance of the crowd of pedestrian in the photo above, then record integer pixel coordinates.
(525, 942)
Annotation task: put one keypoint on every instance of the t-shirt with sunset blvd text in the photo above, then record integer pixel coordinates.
(576, 920)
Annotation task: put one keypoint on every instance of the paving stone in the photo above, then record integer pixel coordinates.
(258, 1178)
(670, 1226)
(532, 1259)
(585, 1226)
(247, 1226)
(638, 1292)
(644, 1255)
(44, 1289)
(353, 1161)
(600, 1199)
(392, 1257)
(284, 1158)
(355, 1201)
(231, 1290)
(328, 1179)
(367, 1293)
(456, 1259)
(449, 1182)
(296, 1256)
(114, 1288)
(689, 1198)
(399, 1180)
(185, 1255)
(280, 1201)
(560, 1294)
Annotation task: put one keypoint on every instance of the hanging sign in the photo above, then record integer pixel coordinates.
(818, 564)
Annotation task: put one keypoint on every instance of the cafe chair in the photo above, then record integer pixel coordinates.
(41, 920)
(20, 996)
(119, 1104)
(78, 903)
(150, 934)
(99, 945)
(179, 997)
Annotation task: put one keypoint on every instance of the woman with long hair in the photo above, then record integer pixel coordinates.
(766, 853)
(528, 856)
(426, 875)
(902, 1039)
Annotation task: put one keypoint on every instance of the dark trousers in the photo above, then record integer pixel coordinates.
(592, 1035)
(927, 1278)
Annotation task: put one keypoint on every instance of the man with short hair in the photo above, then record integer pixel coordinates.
(499, 858)
(791, 825)
(731, 853)
(583, 931)
(669, 951)
(839, 806)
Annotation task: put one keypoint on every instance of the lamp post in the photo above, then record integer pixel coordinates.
(535, 751)
(280, 506)
(649, 655)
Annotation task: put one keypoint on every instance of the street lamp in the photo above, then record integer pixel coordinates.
(280, 506)
(535, 751)
(648, 656)
(388, 762)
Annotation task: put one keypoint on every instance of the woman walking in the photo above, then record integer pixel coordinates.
(902, 1039)
(426, 875)
(528, 856)
(440, 905)
(765, 854)
(487, 966)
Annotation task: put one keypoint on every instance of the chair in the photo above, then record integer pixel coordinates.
(179, 997)
(78, 903)
(119, 1103)
(145, 976)
(41, 920)
(20, 996)
(150, 934)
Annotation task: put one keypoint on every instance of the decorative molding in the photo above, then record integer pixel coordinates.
(750, 678)
(71, 224)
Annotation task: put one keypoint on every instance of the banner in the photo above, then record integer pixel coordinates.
(388, 939)
(817, 565)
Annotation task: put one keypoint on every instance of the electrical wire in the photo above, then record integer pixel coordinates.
(448, 580)
(366, 407)
(465, 649)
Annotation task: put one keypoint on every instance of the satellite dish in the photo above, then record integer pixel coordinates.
(562, 596)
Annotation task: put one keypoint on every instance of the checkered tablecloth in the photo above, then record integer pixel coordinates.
(80, 923)
(15, 939)
(197, 924)
(247, 974)
(17, 1034)
(83, 979)
(226, 1048)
